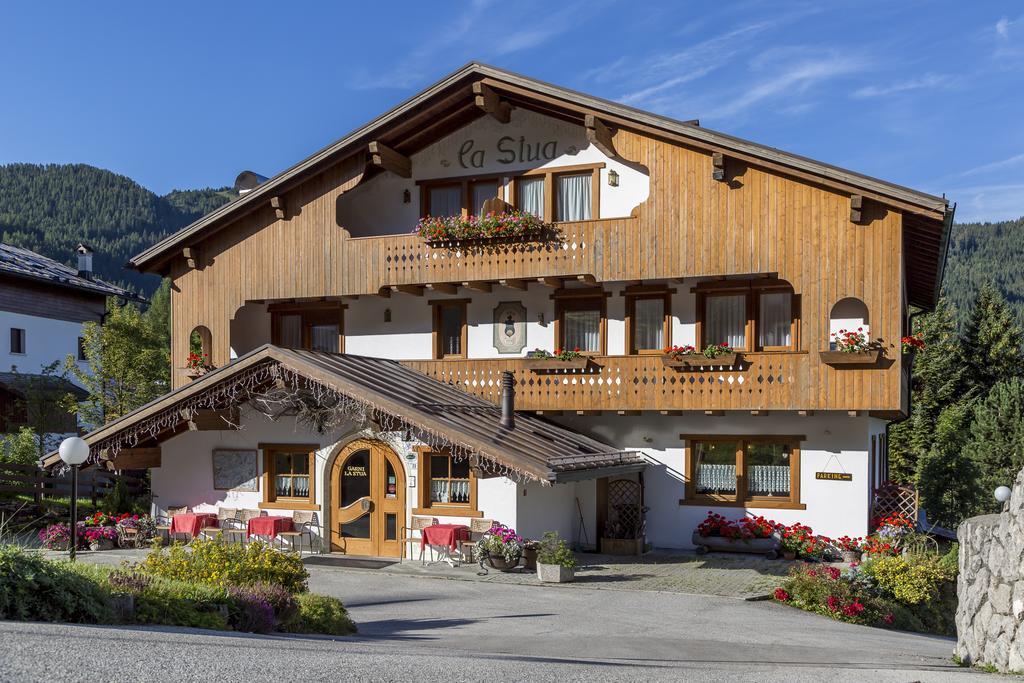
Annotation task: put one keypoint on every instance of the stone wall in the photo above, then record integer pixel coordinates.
(991, 587)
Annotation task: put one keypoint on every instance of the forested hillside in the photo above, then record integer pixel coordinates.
(981, 253)
(50, 208)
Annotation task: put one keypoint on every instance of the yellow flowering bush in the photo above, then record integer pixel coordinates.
(911, 581)
(218, 563)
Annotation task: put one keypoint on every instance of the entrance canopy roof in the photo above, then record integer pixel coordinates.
(327, 388)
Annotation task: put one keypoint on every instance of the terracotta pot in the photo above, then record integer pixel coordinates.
(529, 558)
(788, 555)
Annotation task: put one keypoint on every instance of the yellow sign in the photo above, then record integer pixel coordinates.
(833, 476)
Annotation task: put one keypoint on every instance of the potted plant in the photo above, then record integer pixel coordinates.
(501, 547)
(851, 347)
(197, 365)
(747, 535)
(561, 359)
(510, 225)
(530, 549)
(556, 563)
(688, 356)
(100, 537)
(134, 531)
(851, 548)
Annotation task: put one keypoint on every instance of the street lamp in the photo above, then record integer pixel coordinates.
(1002, 494)
(74, 451)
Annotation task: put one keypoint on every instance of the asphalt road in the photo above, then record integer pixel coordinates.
(417, 629)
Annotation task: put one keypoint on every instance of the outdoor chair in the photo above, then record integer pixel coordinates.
(163, 522)
(477, 528)
(243, 522)
(225, 518)
(414, 534)
(304, 523)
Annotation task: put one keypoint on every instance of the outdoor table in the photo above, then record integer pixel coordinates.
(269, 526)
(444, 538)
(192, 523)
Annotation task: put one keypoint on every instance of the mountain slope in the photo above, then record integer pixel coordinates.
(51, 208)
(985, 252)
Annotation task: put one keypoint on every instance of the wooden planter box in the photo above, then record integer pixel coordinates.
(857, 358)
(760, 546)
(485, 241)
(195, 373)
(549, 364)
(622, 546)
(699, 360)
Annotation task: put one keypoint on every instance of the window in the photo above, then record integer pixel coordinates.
(317, 328)
(444, 200)
(581, 323)
(573, 198)
(447, 486)
(288, 480)
(744, 471)
(81, 348)
(17, 340)
(530, 195)
(749, 316)
(481, 191)
(648, 322)
(450, 331)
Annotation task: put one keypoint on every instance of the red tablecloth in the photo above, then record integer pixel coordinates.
(191, 523)
(444, 535)
(268, 526)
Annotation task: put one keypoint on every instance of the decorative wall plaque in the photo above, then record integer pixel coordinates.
(235, 470)
(509, 327)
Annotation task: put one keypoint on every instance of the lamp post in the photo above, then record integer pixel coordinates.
(74, 451)
(1002, 495)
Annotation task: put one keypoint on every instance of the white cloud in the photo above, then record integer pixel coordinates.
(995, 165)
(1003, 28)
(927, 81)
(989, 202)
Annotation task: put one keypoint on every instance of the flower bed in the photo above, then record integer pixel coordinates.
(513, 225)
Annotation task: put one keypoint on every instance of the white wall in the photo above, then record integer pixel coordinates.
(46, 340)
(377, 207)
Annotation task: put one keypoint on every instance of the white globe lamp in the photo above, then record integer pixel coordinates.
(74, 451)
(1002, 494)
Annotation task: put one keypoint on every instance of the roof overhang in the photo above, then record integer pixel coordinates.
(450, 104)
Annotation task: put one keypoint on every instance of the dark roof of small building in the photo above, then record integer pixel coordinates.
(534, 447)
(19, 383)
(22, 263)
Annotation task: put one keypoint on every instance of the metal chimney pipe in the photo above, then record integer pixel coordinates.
(508, 400)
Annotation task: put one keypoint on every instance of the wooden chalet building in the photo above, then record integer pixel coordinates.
(358, 368)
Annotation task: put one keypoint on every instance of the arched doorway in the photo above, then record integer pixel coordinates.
(367, 500)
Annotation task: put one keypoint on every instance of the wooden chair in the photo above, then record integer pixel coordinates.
(477, 528)
(243, 518)
(225, 517)
(304, 523)
(414, 534)
(163, 522)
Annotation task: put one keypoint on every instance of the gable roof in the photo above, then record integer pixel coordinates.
(22, 263)
(19, 384)
(436, 412)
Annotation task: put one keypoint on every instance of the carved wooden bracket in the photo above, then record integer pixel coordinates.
(191, 255)
(599, 135)
(388, 159)
(277, 203)
(491, 102)
(856, 208)
(718, 166)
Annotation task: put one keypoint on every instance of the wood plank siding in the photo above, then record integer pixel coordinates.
(19, 295)
(756, 221)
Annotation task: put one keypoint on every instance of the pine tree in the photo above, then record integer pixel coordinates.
(997, 437)
(991, 343)
(947, 477)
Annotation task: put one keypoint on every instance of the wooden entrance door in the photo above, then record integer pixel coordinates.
(367, 500)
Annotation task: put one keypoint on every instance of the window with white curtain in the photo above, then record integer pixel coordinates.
(324, 338)
(482, 191)
(445, 200)
(775, 321)
(573, 197)
(725, 320)
(581, 325)
(648, 324)
(530, 197)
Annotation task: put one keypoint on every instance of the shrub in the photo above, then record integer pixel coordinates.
(35, 589)
(176, 603)
(321, 614)
(219, 563)
(249, 611)
(910, 580)
(554, 550)
(131, 582)
(283, 602)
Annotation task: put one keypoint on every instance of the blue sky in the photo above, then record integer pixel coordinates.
(186, 94)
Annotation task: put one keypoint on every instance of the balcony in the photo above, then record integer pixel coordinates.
(764, 381)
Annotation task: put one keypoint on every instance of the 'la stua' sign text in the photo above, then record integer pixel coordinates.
(507, 150)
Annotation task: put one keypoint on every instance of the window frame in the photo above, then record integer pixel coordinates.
(436, 306)
(577, 300)
(270, 498)
(312, 314)
(751, 290)
(550, 175)
(742, 498)
(22, 335)
(631, 298)
(428, 507)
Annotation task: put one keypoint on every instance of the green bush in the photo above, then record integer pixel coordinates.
(218, 563)
(910, 580)
(177, 603)
(35, 589)
(321, 614)
(553, 550)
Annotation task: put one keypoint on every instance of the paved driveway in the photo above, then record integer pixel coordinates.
(421, 629)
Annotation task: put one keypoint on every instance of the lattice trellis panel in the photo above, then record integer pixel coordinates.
(893, 499)
(625, 509)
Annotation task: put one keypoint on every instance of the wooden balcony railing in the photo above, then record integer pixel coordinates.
(764, 381)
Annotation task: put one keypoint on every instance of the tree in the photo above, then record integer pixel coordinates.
(128, 364)
(158, 315)
(19, 448)
(991, 343)
(947, 477)
(45, 406)
(997, 437)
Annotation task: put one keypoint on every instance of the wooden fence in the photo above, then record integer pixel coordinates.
(38, 483)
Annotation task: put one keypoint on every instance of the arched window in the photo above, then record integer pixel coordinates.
(200, 343)
(849, 314)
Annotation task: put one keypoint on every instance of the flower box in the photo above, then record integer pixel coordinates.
(555, 573)
(622, 546)
(761, 546)
(449, 242)
(699, 360)
(548, 364)
(869, 357)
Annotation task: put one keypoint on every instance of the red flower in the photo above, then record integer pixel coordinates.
(889, 619)
(832, 603)
(781, 595)
(833, 573)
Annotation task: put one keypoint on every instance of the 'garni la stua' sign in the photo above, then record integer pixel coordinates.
(833, 476)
